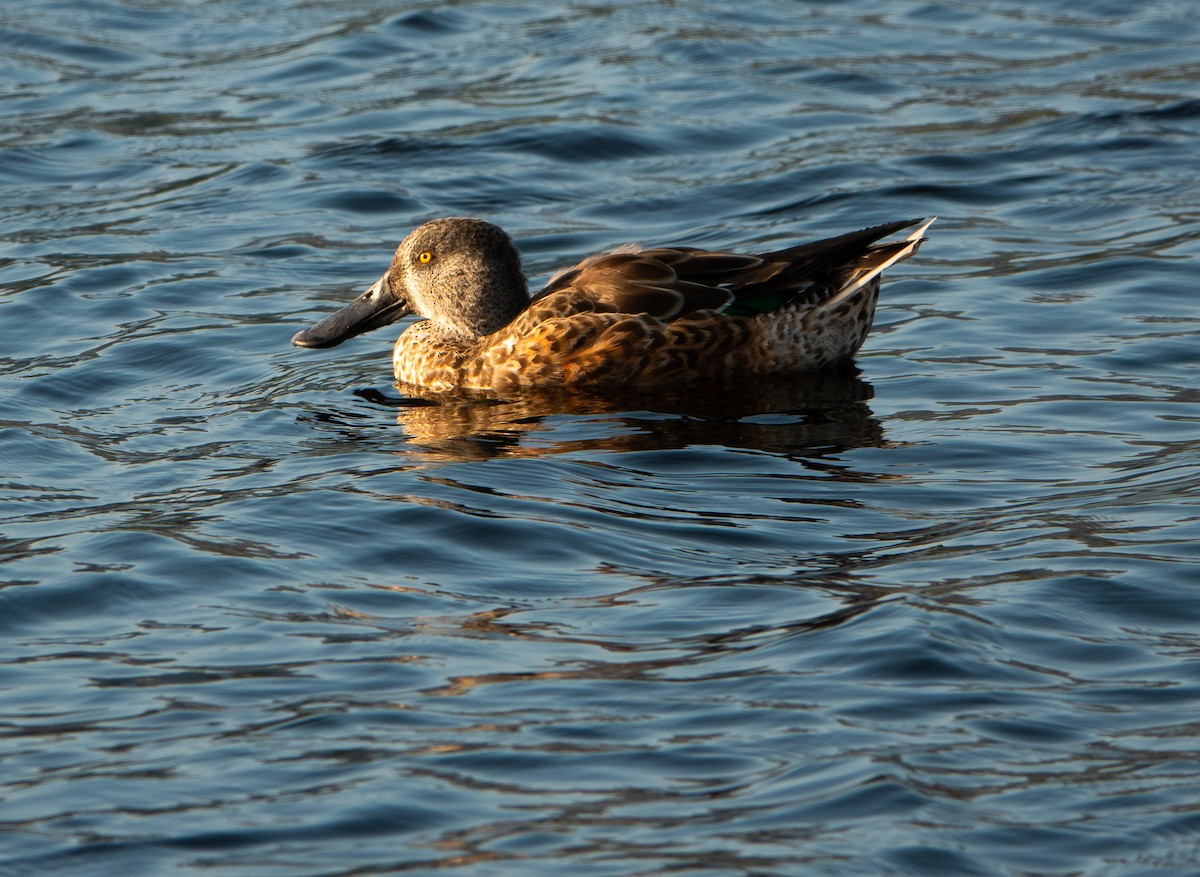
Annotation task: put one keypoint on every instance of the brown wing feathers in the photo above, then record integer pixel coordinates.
(667, 282)
(639, 283)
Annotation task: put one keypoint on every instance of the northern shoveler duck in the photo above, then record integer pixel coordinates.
(632, 317)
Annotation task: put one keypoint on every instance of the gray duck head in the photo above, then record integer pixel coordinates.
(463, 274)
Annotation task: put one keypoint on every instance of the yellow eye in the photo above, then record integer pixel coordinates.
(425, 258)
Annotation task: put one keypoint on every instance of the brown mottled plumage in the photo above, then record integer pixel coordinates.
(632, 317)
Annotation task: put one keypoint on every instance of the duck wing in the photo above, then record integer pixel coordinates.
(641, 282)
(669, 282)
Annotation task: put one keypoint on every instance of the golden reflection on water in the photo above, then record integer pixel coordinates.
(668, 655)
(794, 414)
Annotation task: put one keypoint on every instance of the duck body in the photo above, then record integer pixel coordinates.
(630, 317)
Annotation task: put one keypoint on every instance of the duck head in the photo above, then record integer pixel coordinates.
(464, 275)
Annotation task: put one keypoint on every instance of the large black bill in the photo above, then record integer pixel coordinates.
(376, 307)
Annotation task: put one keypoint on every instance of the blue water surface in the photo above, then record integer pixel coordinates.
(932, 613)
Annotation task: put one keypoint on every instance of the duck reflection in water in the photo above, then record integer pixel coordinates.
(808, 415)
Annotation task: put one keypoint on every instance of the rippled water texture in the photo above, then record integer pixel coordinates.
(934, 613)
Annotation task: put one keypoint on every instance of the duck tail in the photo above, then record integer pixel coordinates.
(878, 259)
